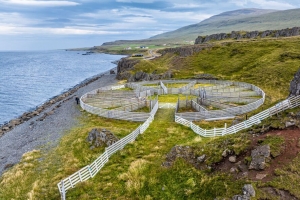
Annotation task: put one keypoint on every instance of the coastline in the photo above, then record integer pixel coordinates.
(27, 115)
(43, 127)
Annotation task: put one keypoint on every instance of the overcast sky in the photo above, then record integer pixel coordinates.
(59, 24)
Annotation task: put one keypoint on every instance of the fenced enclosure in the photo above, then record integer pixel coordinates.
(110, 103)
(226, 98)
(289, 103)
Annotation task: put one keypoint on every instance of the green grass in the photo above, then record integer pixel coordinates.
(36, 176)
(136, 171)
(173, 98)
(276, 144)
(213, 124)
(263, 63)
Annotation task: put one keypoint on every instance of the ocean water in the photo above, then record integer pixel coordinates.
(28, 79)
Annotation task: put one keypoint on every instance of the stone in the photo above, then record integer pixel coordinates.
(260, 176)
(240, 197)
(233, 170)
(259, 156)
(5, 128)
(225, 153)
(201, 158)
(98, 137)
(248, 190)
(289, 123)
(232, 159)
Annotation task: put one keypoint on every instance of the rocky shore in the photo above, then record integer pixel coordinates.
(43, 127)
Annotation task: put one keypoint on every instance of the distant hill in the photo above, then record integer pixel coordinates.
(238, 20)
(245, 19)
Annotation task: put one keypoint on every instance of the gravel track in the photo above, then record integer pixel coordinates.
(44, 135)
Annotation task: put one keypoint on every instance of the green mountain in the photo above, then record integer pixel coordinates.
(237, 20)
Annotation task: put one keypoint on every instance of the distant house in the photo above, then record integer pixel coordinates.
(143, 47)
(127, 48)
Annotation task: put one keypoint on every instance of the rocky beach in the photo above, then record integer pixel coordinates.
(42, 128)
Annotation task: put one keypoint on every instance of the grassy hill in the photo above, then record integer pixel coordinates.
(238, 20)
(136, 172)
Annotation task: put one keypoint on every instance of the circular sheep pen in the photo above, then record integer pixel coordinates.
(203, 99)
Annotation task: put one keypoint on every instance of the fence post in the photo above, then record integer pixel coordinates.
(63, 192)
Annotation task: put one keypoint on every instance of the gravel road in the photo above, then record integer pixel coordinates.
(35, 134)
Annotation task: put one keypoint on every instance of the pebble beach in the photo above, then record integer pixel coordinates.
(43, 128)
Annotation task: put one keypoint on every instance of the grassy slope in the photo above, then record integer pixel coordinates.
(270, 21)
(268, 63)
(136, 171)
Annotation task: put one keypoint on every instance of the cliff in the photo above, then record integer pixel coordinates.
(250, 35)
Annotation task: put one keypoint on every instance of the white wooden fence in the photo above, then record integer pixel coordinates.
(118, 113)
(91, 170)
(289, 103)
(165, 89)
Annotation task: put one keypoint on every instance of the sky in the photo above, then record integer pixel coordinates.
(61, 24)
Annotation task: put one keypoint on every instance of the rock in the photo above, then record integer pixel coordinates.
(184, 51)
(259, 157)
(240, 197)
(206, 76)
(15, 122)
(100, 137)
(289, 123)
(250, 35)
(248, 190)
(295, 84)
(124, 65)
(5, 128)
(201, 159)
(260, 176)
(232, 159)
(112, 71)
(177, 151)
(225, 153)
(233, 170)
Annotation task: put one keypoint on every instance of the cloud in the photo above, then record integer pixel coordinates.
(265, 4)
(135, 1)
(273, 4)
(39, 3)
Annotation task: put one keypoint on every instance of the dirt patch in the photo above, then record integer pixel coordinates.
(289, 150)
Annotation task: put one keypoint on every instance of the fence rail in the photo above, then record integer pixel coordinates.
(289, 103)
(121, 112)
(91, 170)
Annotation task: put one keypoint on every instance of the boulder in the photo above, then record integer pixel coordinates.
(295, 85)
(240, 197)
(232, 159)
(248, 190)
(289, 123)
(201, 159)
(177, 151)
(100, 137)
(260, 156)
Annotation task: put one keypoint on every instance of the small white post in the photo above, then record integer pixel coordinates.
(63, 192)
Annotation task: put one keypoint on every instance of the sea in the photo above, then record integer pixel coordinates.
(29, 78)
